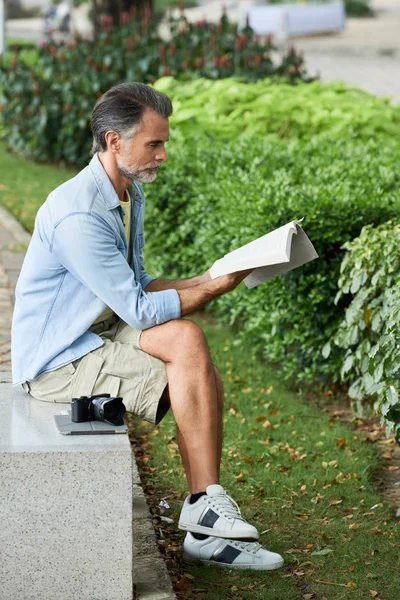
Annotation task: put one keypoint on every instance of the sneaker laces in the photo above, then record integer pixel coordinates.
(226, 505)
(255, 546)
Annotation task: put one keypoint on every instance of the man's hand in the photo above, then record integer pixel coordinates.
(231, 281)
(194, 298)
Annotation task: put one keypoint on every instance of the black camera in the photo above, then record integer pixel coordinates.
(98, 408)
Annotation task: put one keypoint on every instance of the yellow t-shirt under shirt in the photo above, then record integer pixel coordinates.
(126, 205)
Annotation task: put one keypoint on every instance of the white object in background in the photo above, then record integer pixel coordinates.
(2, 27)
(282, 35)
(302, 19)
(273, 254)
(316, 18)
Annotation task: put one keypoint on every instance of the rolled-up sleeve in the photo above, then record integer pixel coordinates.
(86, 246)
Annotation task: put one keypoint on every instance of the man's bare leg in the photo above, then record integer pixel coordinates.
(194, 397)
(180, 438)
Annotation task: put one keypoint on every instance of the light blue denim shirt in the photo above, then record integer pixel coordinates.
(75, 266)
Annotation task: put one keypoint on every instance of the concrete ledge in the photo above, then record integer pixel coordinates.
(150, 574)
(65, 507)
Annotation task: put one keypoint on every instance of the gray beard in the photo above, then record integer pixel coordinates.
(142, 176)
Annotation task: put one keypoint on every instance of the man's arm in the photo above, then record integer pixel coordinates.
(158, 285)
(86, 247)
(197, 297)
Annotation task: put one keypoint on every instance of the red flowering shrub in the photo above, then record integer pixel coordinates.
(47, 105)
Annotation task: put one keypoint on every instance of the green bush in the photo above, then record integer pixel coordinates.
(229, 108)
(215, 195)
(46, 107)
(370, 274)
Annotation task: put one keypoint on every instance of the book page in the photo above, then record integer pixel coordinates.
(277, 252)
(301, 252)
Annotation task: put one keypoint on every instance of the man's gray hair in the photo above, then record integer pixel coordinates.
(121, 109)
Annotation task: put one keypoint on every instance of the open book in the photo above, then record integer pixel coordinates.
(278, 252)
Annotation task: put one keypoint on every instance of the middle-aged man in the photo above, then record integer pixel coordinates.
(88, 319)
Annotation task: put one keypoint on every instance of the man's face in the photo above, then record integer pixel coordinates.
(140, 156)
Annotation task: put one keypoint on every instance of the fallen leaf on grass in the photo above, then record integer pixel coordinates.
(373, 593)
(354, 525)
(265, 442)
(333, 501)
(322, 552)
(342, 442)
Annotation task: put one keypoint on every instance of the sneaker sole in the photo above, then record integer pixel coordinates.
(214, 563)
(230, 535)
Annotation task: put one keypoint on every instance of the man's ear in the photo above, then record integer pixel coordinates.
(113, 141)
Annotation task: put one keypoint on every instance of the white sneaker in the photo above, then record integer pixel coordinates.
(231, 554)
(216, 514)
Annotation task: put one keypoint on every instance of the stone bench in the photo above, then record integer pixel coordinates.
(65, 507)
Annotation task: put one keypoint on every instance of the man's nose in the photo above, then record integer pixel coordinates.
(162, 156)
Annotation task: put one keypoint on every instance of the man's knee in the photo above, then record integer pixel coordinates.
(176, 340)
(187, 340)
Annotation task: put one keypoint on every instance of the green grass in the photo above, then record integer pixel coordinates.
(302, 478)
(25, 185)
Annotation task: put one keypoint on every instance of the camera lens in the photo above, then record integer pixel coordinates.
(111, 410)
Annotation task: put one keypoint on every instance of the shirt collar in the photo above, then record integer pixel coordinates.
(106, 188)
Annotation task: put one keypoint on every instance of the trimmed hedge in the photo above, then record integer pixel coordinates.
(215, 195)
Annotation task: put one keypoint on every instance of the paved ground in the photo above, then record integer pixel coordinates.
(13, 241)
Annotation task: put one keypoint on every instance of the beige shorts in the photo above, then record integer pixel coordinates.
(119, 368)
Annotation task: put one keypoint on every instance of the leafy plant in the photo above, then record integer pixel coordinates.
(47, 106)
(230, 107)
(370, 272)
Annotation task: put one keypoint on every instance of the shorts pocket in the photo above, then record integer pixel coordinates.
(70, 368)
(86, 375)
(107, 384)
